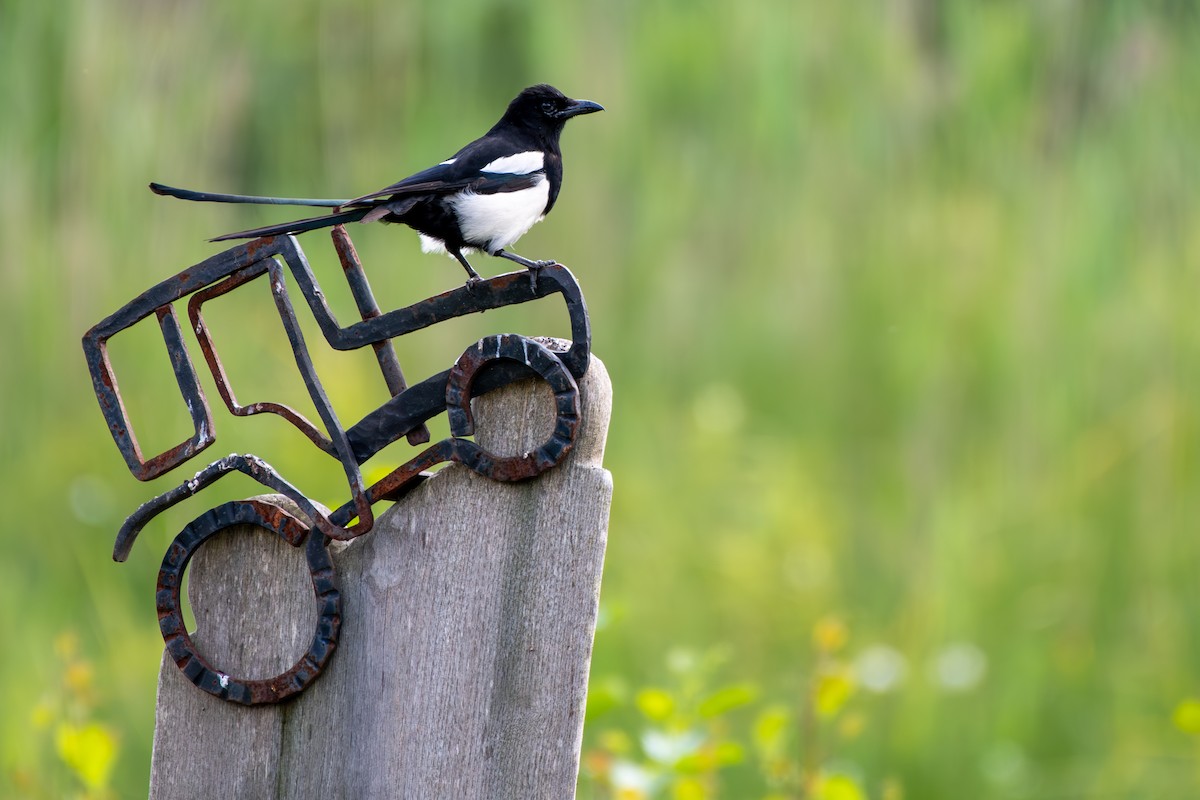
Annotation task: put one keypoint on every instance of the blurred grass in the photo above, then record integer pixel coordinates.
(899, 299)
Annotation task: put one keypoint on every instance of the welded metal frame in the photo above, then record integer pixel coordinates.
(491, 362)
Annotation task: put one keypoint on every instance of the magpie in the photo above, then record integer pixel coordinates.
(484, 197)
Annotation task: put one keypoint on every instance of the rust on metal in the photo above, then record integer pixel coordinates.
(490, 363)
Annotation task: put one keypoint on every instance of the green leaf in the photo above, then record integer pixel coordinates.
(770, 729)
(728, 698)
(695, 764)
(729, 753)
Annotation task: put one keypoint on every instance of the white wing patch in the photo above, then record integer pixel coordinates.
(495, 221)
(447, 161)
(517, 164)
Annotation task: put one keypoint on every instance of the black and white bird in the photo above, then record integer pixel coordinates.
(484, 197)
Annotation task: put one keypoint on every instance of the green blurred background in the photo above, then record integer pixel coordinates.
(899, 299)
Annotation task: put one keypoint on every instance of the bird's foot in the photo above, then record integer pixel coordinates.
(534, 268)
(472, 282)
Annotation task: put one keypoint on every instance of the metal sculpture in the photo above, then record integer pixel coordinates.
(490, 363)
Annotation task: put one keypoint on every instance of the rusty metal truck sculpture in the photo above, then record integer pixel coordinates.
(489, 363)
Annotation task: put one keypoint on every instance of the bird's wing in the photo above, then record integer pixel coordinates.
(440, 179)
(485, 165)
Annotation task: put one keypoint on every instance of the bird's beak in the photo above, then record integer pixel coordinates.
(578, 107)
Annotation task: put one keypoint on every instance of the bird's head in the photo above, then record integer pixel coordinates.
(546, 109)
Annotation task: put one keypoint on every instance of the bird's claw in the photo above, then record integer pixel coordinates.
(534, 268)
(472, 282)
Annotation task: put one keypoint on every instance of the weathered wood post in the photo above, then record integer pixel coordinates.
(468, 618)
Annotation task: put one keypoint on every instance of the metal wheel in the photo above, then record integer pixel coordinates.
(170, 616)
(546, 364)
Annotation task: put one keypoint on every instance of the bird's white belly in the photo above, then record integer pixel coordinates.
(495, 221)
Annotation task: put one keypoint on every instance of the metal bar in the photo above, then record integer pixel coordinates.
(511, 288)
(316, 391)
(249, 465)
(364, 298)
(108, 393)
(209, 349)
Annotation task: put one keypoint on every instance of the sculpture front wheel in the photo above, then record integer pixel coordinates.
(183, 652)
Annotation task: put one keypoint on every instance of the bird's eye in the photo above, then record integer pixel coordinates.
(548, 107)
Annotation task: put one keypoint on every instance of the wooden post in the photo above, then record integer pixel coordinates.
(461, 671)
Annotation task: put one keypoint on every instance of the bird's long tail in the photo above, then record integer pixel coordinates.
(296, 226)
(213, 197)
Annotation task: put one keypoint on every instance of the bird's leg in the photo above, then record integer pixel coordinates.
(472, 276)
(524, 262)
(533, 266)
